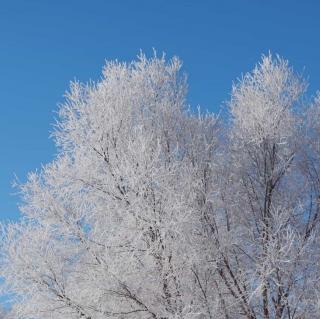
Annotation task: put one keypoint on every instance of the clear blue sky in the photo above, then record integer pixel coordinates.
(45, 44)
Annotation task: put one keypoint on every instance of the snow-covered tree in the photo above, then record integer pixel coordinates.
(151, 210)
(265, 225)
(109, 227)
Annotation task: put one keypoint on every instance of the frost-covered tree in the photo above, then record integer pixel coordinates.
(151, 210)
(265, 216)
(109, 228)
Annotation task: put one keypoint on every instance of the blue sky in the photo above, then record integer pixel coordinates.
(45, 44)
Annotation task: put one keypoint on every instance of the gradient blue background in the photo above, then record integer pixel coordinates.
(45, 44)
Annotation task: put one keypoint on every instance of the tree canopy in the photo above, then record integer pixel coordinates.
(154, 210)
